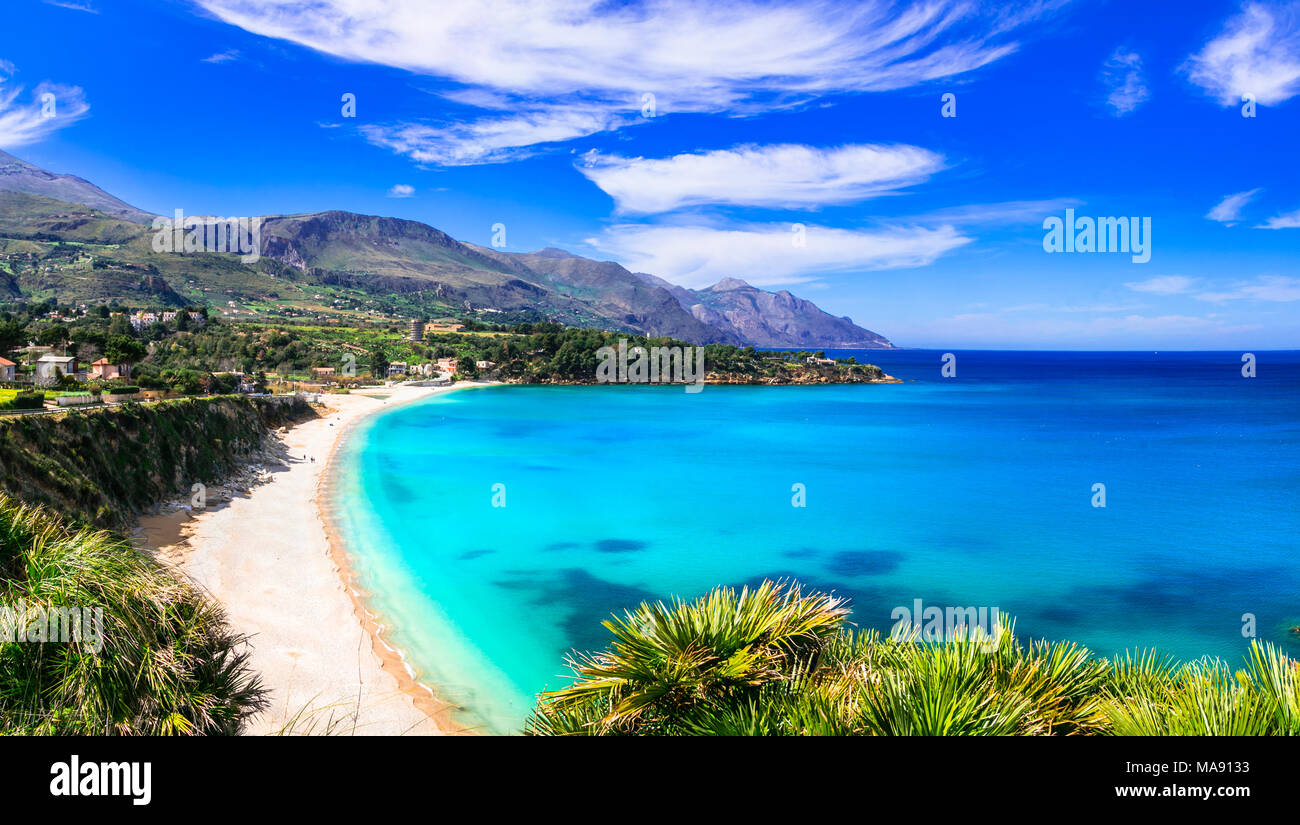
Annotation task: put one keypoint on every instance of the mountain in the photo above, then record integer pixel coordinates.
(62, 237)
(639, 304)
(770, 319)
(20, 176)
(401, 256)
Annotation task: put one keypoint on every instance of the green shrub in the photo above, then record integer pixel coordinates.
(162, 660)
(775, 660)
(28, 400)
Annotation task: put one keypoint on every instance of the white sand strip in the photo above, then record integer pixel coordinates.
(267, 559)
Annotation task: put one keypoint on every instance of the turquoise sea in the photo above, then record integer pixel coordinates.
(975, 490)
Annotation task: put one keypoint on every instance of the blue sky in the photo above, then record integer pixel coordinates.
(765, 115)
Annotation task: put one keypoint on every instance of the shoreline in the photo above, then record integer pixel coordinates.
(392, 658)
(272, 558)
(294, 641)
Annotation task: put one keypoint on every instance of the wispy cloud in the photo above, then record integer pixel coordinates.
(1122, 75)
(593, 61)
(1070, 309)
(223, 57)
(1271, 288)
(767, 254)
(1287, 220)
(401, 190)
(1007, 213)
(1256, 53)
(69, 4)
(1163, 285)
(50, 107)
(492, 139)
(1229, 209)
(786, 175)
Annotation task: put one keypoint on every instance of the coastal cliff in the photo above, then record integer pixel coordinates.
(106, 466)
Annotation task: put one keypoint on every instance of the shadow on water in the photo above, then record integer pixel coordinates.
(864, 562)
(589, 600)
(1166, 600)
(620, 545)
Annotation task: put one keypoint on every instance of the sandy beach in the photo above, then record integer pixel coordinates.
(271, 559)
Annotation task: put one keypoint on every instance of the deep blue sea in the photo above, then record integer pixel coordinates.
(974, 490)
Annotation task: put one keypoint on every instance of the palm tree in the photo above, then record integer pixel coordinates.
(163, 661)
(666, 661)
(778, 661)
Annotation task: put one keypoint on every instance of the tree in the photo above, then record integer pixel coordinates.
(12, 335)
(378, 362)
(52, 336)
(123, 349)
(119, 325)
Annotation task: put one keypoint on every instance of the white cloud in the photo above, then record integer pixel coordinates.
(31, 120)
(1122, 74)
(600, 58)
(401, 190)
(223, 57)
(1163, 285)
(1287, 220)
(766, 254)
(1071, 309)
(490, 140)
(1256, 53)
(1005, 213)
(786, 175)
(1229, 209)
(1271, 288)
(68, 4)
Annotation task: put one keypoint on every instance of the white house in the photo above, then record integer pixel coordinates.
(50, 367)
(143, 319)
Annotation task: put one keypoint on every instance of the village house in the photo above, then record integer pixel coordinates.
(397, 368)
(7, 369)
(106, 370)
(484, 365)
(447, 364)
(50, 367)
(143, 319)
(323, 372)
(244, 383)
